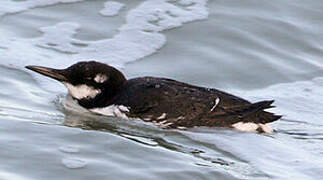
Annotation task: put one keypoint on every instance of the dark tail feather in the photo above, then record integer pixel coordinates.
(267, 117)
(261, 115)
(255, 112)
(258, 106)
(246, 110)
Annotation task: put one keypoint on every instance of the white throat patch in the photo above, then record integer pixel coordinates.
(82, 91)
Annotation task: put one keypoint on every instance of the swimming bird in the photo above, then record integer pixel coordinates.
(168, 103)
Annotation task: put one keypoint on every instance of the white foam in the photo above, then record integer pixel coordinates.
(111, 8)
(160, 15)
(140, 36)
(9, 6)
(59, 41)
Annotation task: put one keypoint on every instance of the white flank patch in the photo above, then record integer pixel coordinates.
(252, 127)
(100, 78)
(163, 116)
(181, 128)
(82, 91)
(113, 110)
(216, 102)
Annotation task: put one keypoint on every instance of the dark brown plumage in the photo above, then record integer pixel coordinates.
(164, 101)
(187, 105)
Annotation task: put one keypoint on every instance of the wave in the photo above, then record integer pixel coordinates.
(139, 37)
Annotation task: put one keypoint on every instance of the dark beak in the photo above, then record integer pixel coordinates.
(49, 72)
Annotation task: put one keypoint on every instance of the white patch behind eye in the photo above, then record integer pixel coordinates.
(82, 91)
(100, 78)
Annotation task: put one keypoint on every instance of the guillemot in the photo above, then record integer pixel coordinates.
(104, 90)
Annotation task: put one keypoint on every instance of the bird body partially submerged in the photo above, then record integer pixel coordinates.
(168, 103)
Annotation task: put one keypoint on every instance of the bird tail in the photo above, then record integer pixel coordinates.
(254, 112)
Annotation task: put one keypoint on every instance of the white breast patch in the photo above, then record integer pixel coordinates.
(82, 91)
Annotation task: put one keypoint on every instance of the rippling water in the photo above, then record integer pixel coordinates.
(255, 49)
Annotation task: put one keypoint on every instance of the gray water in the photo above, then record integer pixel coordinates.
(255, 49)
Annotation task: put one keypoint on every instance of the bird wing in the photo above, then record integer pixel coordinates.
(159, 99)
(253, 112)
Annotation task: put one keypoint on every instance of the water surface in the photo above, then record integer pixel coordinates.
(255, 49)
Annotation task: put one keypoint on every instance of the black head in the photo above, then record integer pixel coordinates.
(92, 83)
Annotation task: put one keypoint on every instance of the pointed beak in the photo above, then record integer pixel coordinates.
(49, 72)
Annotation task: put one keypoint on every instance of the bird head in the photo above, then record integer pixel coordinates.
(91, 83)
